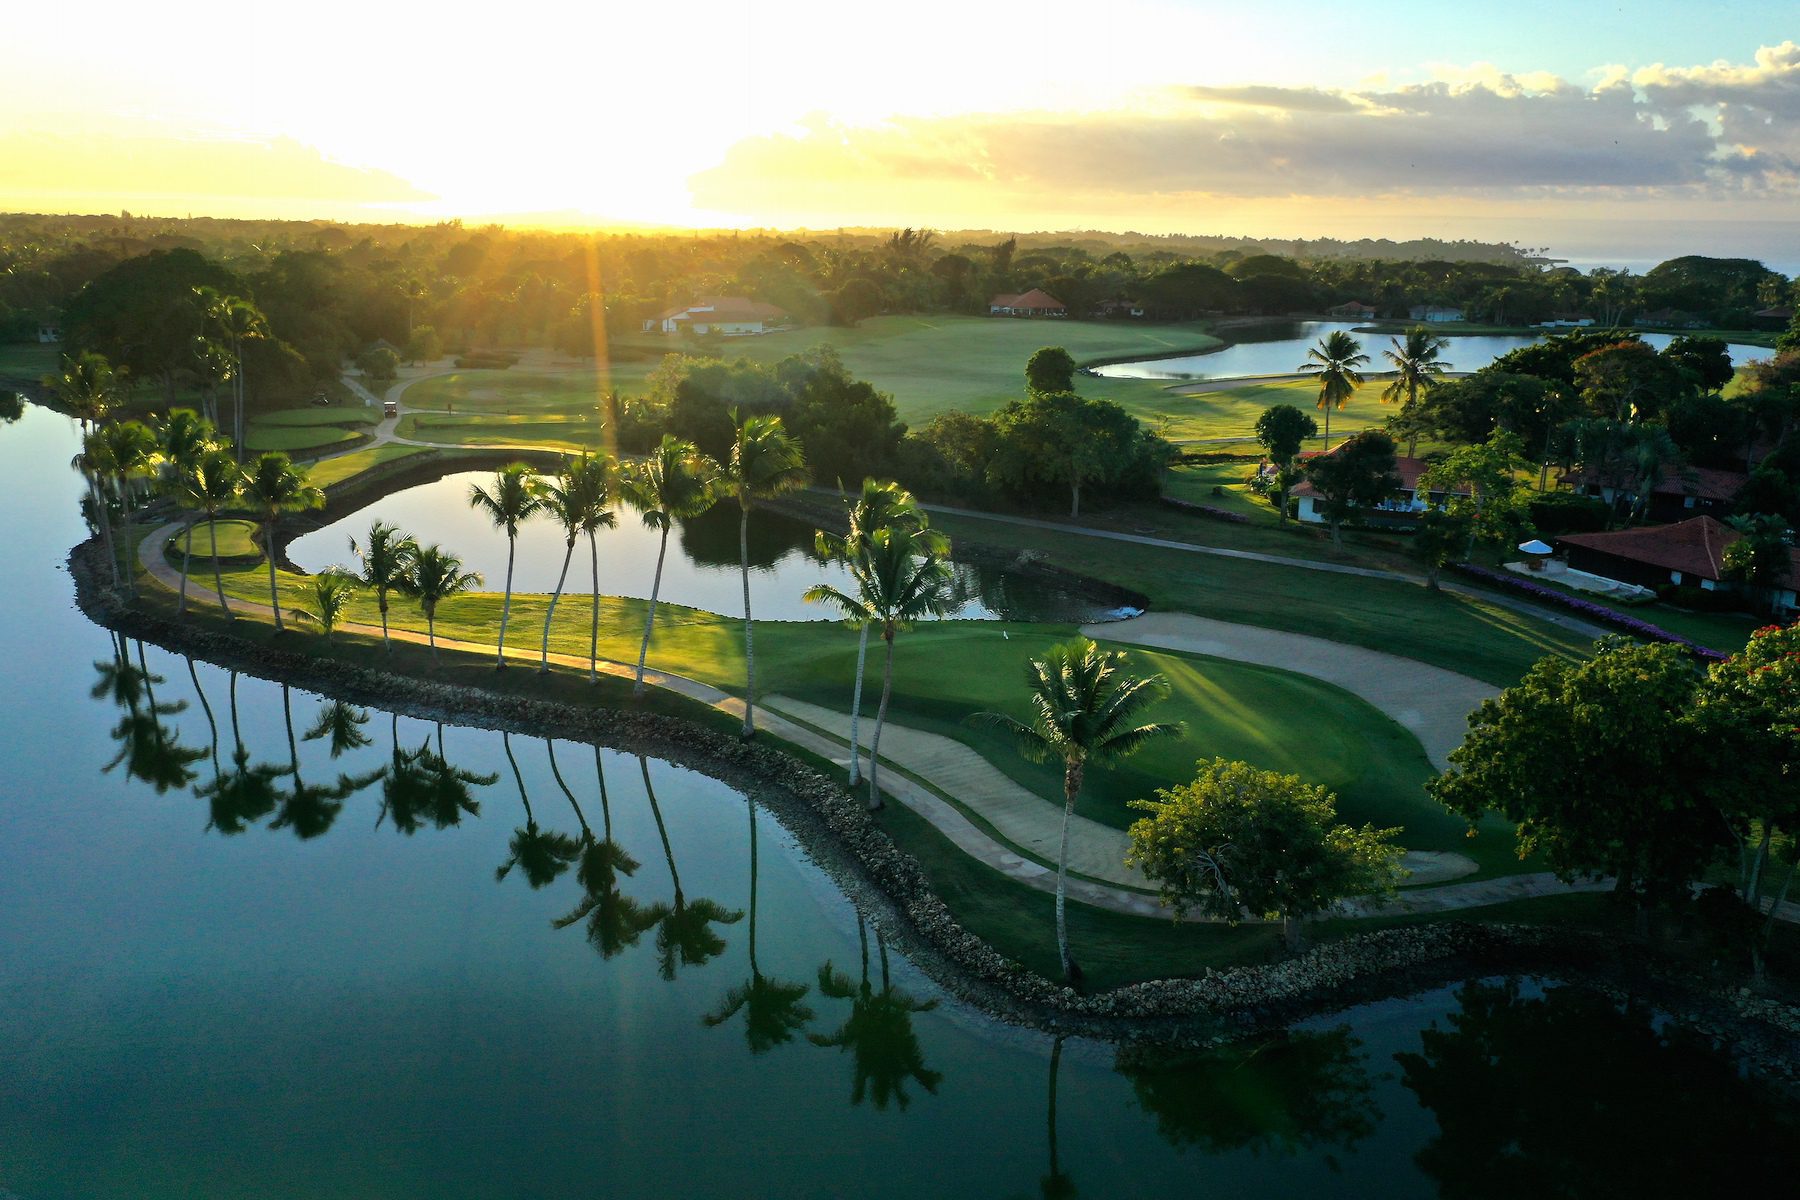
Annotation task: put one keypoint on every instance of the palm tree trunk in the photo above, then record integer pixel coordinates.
(650, 616)
(555, 771)
(862, 653)
(512, 544)
(568, 553)
(212, 519)
(381, 603)
(1074, 499)
(431, 634)
(187, 558)
(103, 518)
(749, 642)
(268, 553)
(125, 529)
(594, 623)
(752, 801)
(887, 687)
(605, 805)
(1071, 788)
(661, 830)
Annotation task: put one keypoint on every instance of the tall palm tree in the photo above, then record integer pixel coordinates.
(207, 486)
(126, 451)
(1335, 361)
(274, 485)
(184, 438)
(879, 1031)
(766, 461)
(772, 1008)
(879, 505)
(577, 496)
(1415, 363)
(684, 935)
(899, 579)
(436, 574)
(233, 321)
(1083, 711)
(540, 854)
(386, 561)
(91, 461)
(674, 482)
(513, 500)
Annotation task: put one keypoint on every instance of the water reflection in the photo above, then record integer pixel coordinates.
(148, 749)
(615, 921)
(684, 930)
(540, 854)
(309, 809)
(1570, 1094)
(244, 795)
(878, 1032)
(773, 1009)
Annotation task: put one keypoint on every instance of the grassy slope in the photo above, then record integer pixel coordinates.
(346, 415)
(296, 437)
(337, 469)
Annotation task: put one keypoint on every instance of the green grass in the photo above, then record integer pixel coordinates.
(347, 415)
(236, 539)
(1232, 412)
(330, 471)
(285, 437)
(930, 364)
(545, 431)
(28, 360)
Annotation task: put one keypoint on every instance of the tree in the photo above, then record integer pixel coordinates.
(1489, 473)
(1416, 364)
(674, 482)
(1240, 840)
(1441, 537)
(434, 575)
(1063, 439)
(513, 500)
(125, 451)
(143, 316)
(765, 463)
(615, 921)
(772, 1008)
(1083, 710)
(577, 497)
(684, 934)
(1051, 369)
(331, 591)
(273, 486)
(234, 322)
(87, 387)
(424, 345)
(387, 563)
(209, 485)
(1706, 359)
(1628, 381)
(900, 577)
(541, 855)
(1335, 361)
(1358, 474)
(1761, 557)
(1594, 763)
(1283, 429)
(878, 506)
(378, 364)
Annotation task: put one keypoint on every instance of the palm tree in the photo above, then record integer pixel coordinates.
(1335, 360)
(88, 386)
(332, 590)
(235, 321)
(184, 439)
(386, 563)
(541, 855)
(150, 750)
(765, 462)
(127, 452)
(684, 934)
(1083, 711)
(674, 482)
(91, 461)
(436, 574)
(340, 725)
(577, 496)
(1415, 364)
(880, 505)
(899, 579)
(772, 1010)
(272, 487)
(207, 486)
(513, 500)
(879, 1032)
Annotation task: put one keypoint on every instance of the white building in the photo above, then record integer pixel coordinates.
(733, 316)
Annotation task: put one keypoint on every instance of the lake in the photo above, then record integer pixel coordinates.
(701, 569)
(239, 960)
(1280, 347)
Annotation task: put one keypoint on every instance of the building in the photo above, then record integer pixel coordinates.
(1567, 321)
(1679, 493)
(1435, 314)
(1352, 310)
(1690, 553)
(1035, 303)
(49, 334)
(1115, 309)
(1672, 318)
(1772, 318)
(732, 316)
(1401, 508)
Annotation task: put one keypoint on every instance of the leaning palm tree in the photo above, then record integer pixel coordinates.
(126, 451)
(1335, 361)
(435, 575)
(615, 921)
(765, 462)
(577, 496)
(899, 579)
(207, 487)
(386, 560)
(1083, 711)
(513, 500)
(674, 482)
(273, 486)
(1415, 363)
(880, 505)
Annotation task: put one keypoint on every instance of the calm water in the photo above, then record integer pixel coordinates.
(234, 963)
(1281, 348)
(701, 569)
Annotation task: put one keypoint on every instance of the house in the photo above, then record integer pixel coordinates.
(1352, 310)
(1679, 492)
(1690, 553)
(1117, 308)
(1035, 303)
(1772, 318)
(732, 316)
(1435, 314)
(1672, 318)
(49, 334)
(1567, 321)
(1402, 508)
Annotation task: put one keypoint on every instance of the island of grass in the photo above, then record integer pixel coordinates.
(235, 540)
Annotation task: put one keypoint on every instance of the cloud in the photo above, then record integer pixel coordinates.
(1285, 98)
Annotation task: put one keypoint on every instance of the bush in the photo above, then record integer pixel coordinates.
(487, 360)
(1697, 599)
(1554, 513)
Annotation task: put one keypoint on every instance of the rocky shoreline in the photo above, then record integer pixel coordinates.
(889, 886)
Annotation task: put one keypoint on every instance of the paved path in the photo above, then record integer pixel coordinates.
(1431, 702)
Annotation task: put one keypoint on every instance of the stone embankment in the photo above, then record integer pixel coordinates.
(888, 885)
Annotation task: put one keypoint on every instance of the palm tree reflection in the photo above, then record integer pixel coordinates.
(878, 1032)
(246, 794)
(310, 809)
(148, 749)
(684, 934)
(541, 855)
(772, 1010)
(615, 921)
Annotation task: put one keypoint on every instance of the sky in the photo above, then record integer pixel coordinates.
(1550, 124)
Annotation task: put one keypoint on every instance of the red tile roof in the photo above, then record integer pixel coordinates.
(1705, 483)
(1693, 547)
(1035, 298)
